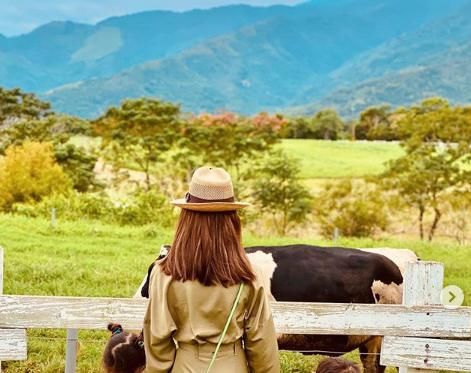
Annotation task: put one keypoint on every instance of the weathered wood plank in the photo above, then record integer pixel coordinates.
(290, 318)
(427, 353)
(12, 344)
(423, 283)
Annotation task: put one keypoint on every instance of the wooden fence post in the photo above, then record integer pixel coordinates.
(423, 284)
(71, 351)
(1, 284)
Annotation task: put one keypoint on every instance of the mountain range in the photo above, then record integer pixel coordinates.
(346, 54)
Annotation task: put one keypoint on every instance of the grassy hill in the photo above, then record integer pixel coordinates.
(340, 159)
(91, 259)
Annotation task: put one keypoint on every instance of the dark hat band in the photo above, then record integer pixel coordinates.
(192, 199)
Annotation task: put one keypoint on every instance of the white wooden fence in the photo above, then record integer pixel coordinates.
(411, 330)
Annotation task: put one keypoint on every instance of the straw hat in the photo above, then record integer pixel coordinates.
(211, 191)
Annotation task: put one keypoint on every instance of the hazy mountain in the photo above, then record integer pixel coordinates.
(244, 58)
(433, 60)
(65, 52)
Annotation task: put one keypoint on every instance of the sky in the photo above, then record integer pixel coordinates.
(21, 16)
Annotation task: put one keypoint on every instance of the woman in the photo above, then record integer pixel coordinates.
(193, 290)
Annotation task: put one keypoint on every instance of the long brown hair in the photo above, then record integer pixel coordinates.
(207, 247)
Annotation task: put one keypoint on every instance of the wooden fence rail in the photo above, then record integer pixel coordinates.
(408, 328)
(17, 311)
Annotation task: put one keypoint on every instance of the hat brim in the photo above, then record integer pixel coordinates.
(209, 206)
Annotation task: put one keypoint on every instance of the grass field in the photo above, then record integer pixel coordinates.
(321, 159)
(341, 159)
(92, 259)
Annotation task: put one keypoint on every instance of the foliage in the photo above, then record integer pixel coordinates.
(277, 190)
(29, 173)
(356, 208)
(78, 165)
(459, 215)
(144, 207)
(228, 140)
(16, 105)
(327, 125)
(324, 125)
(376, 123)
(437, 141)
(298, 128)
(142, 130)
(147, 207)
(57, 130)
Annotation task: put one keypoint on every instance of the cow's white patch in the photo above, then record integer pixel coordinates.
(388, 294)
(392, 293)
(399, 256)
(264, 266)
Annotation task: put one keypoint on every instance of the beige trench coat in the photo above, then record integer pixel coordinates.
(192, 316)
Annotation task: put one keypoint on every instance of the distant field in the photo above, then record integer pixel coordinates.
(93, 259)
(341, 159)
(321, 159)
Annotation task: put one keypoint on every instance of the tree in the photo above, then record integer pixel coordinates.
(437, 142)
(299, 128)
(327, 125)
(355, 208)
(57, 130)
(377, 123)
(228, 140)
(278, 191)
(28, 173)
(141, 130)
(16, 105)
(79, 165)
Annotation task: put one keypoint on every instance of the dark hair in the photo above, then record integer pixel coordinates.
(337, 365)
(124, 352)
(207, 247)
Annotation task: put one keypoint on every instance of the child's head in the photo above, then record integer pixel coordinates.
(337, 365)
(124, 352)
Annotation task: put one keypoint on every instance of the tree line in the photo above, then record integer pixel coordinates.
(41, 161)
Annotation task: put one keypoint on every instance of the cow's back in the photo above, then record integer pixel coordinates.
(306, 273)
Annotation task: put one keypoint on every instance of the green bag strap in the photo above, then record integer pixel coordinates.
(223, 334)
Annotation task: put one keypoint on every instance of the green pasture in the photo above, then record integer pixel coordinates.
(320, 159)
(323, 159)
(92, 259)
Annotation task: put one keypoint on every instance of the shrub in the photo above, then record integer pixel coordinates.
(140, 209)
(356, 208)
(29, 173)
(279, 193)
(146, 208)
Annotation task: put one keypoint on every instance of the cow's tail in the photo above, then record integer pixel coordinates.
(387, 271)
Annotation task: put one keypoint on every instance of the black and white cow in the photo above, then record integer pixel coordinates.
(305, 273)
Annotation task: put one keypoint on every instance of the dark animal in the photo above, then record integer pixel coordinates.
(305, 273)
